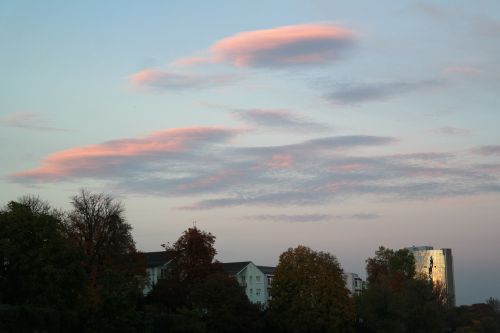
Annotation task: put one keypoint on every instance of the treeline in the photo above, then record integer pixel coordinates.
(79, 271)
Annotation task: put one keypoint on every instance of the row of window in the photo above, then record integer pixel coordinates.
(257, 292)
(250, 278)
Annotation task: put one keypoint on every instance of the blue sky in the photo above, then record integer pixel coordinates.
(335, 125)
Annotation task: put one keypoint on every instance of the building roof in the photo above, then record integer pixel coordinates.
(234, 268)
(267, 269)
(155, 259)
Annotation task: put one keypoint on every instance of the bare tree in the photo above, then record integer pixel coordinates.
(97, 225)
(35, 204)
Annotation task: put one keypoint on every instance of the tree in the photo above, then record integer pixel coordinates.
(224, 306)
(38, 266)
(96, 224)
(479, 317)
(192, 261)
(309, 293)
(396, 300)
(197, 291)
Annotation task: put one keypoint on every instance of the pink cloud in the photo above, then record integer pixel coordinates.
(95, 159)
(464, 70)
(163, 80)
(210, 180)
(350, 167)
(449, 130)
(293, 45)
(281, 161)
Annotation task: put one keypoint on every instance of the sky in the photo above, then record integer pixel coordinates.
(337, 125)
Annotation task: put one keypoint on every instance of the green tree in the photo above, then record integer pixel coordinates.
(38, 266)
(480, 317)
(192, 261)
(396, 300)
(309, 293)
(197, 291)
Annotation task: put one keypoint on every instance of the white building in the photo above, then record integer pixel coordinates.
(256, 280)
(156, 268)
(354, 283)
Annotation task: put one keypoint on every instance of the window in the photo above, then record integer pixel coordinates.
(257, 279)
(257, 292)
(250, 279)
(251, 292)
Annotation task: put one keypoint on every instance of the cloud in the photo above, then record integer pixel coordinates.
(278, 119)
(449, 130)
(344, 93)
(330, 143)
(431, 10)
(27, 120)
(162, 80)
(304, 218)
(204, 167)
(321, 178)
(292, 218)
(294, 45)
(463, 70)
(487, 150)
(109, 157)
(478, 25)
(365, 216)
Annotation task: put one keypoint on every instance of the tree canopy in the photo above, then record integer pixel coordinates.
(309, 293)
(38, 266)
(97, 225)
(396, 300)
(197, 289)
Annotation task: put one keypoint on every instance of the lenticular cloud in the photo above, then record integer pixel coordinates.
(295, 45)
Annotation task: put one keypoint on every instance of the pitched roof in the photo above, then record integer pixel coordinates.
(267, 269)
(154, 259)
(234, 268)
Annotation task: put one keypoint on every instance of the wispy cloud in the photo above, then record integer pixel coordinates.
(487, 150)
(450, 130)
(295, 45)
(477, 24)
(119, 155)
(346, 93)
(463, 70)
(301, 218)
(365, 216)
(27, 120)
(306, 218)
(279, 119)
(165, 81)
(205, 166)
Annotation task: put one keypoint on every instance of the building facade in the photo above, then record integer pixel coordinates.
(256, 280)
(437, 266)
(354, 283)
(156, 268)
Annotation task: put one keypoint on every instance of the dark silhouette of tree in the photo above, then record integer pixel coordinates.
(396, 300)
(197, 291)
(36, 205)
(115, 271)
(480, 317)
(96, 224)
(223, 306)
(192, 261)
(38, 266)
(309, 293)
